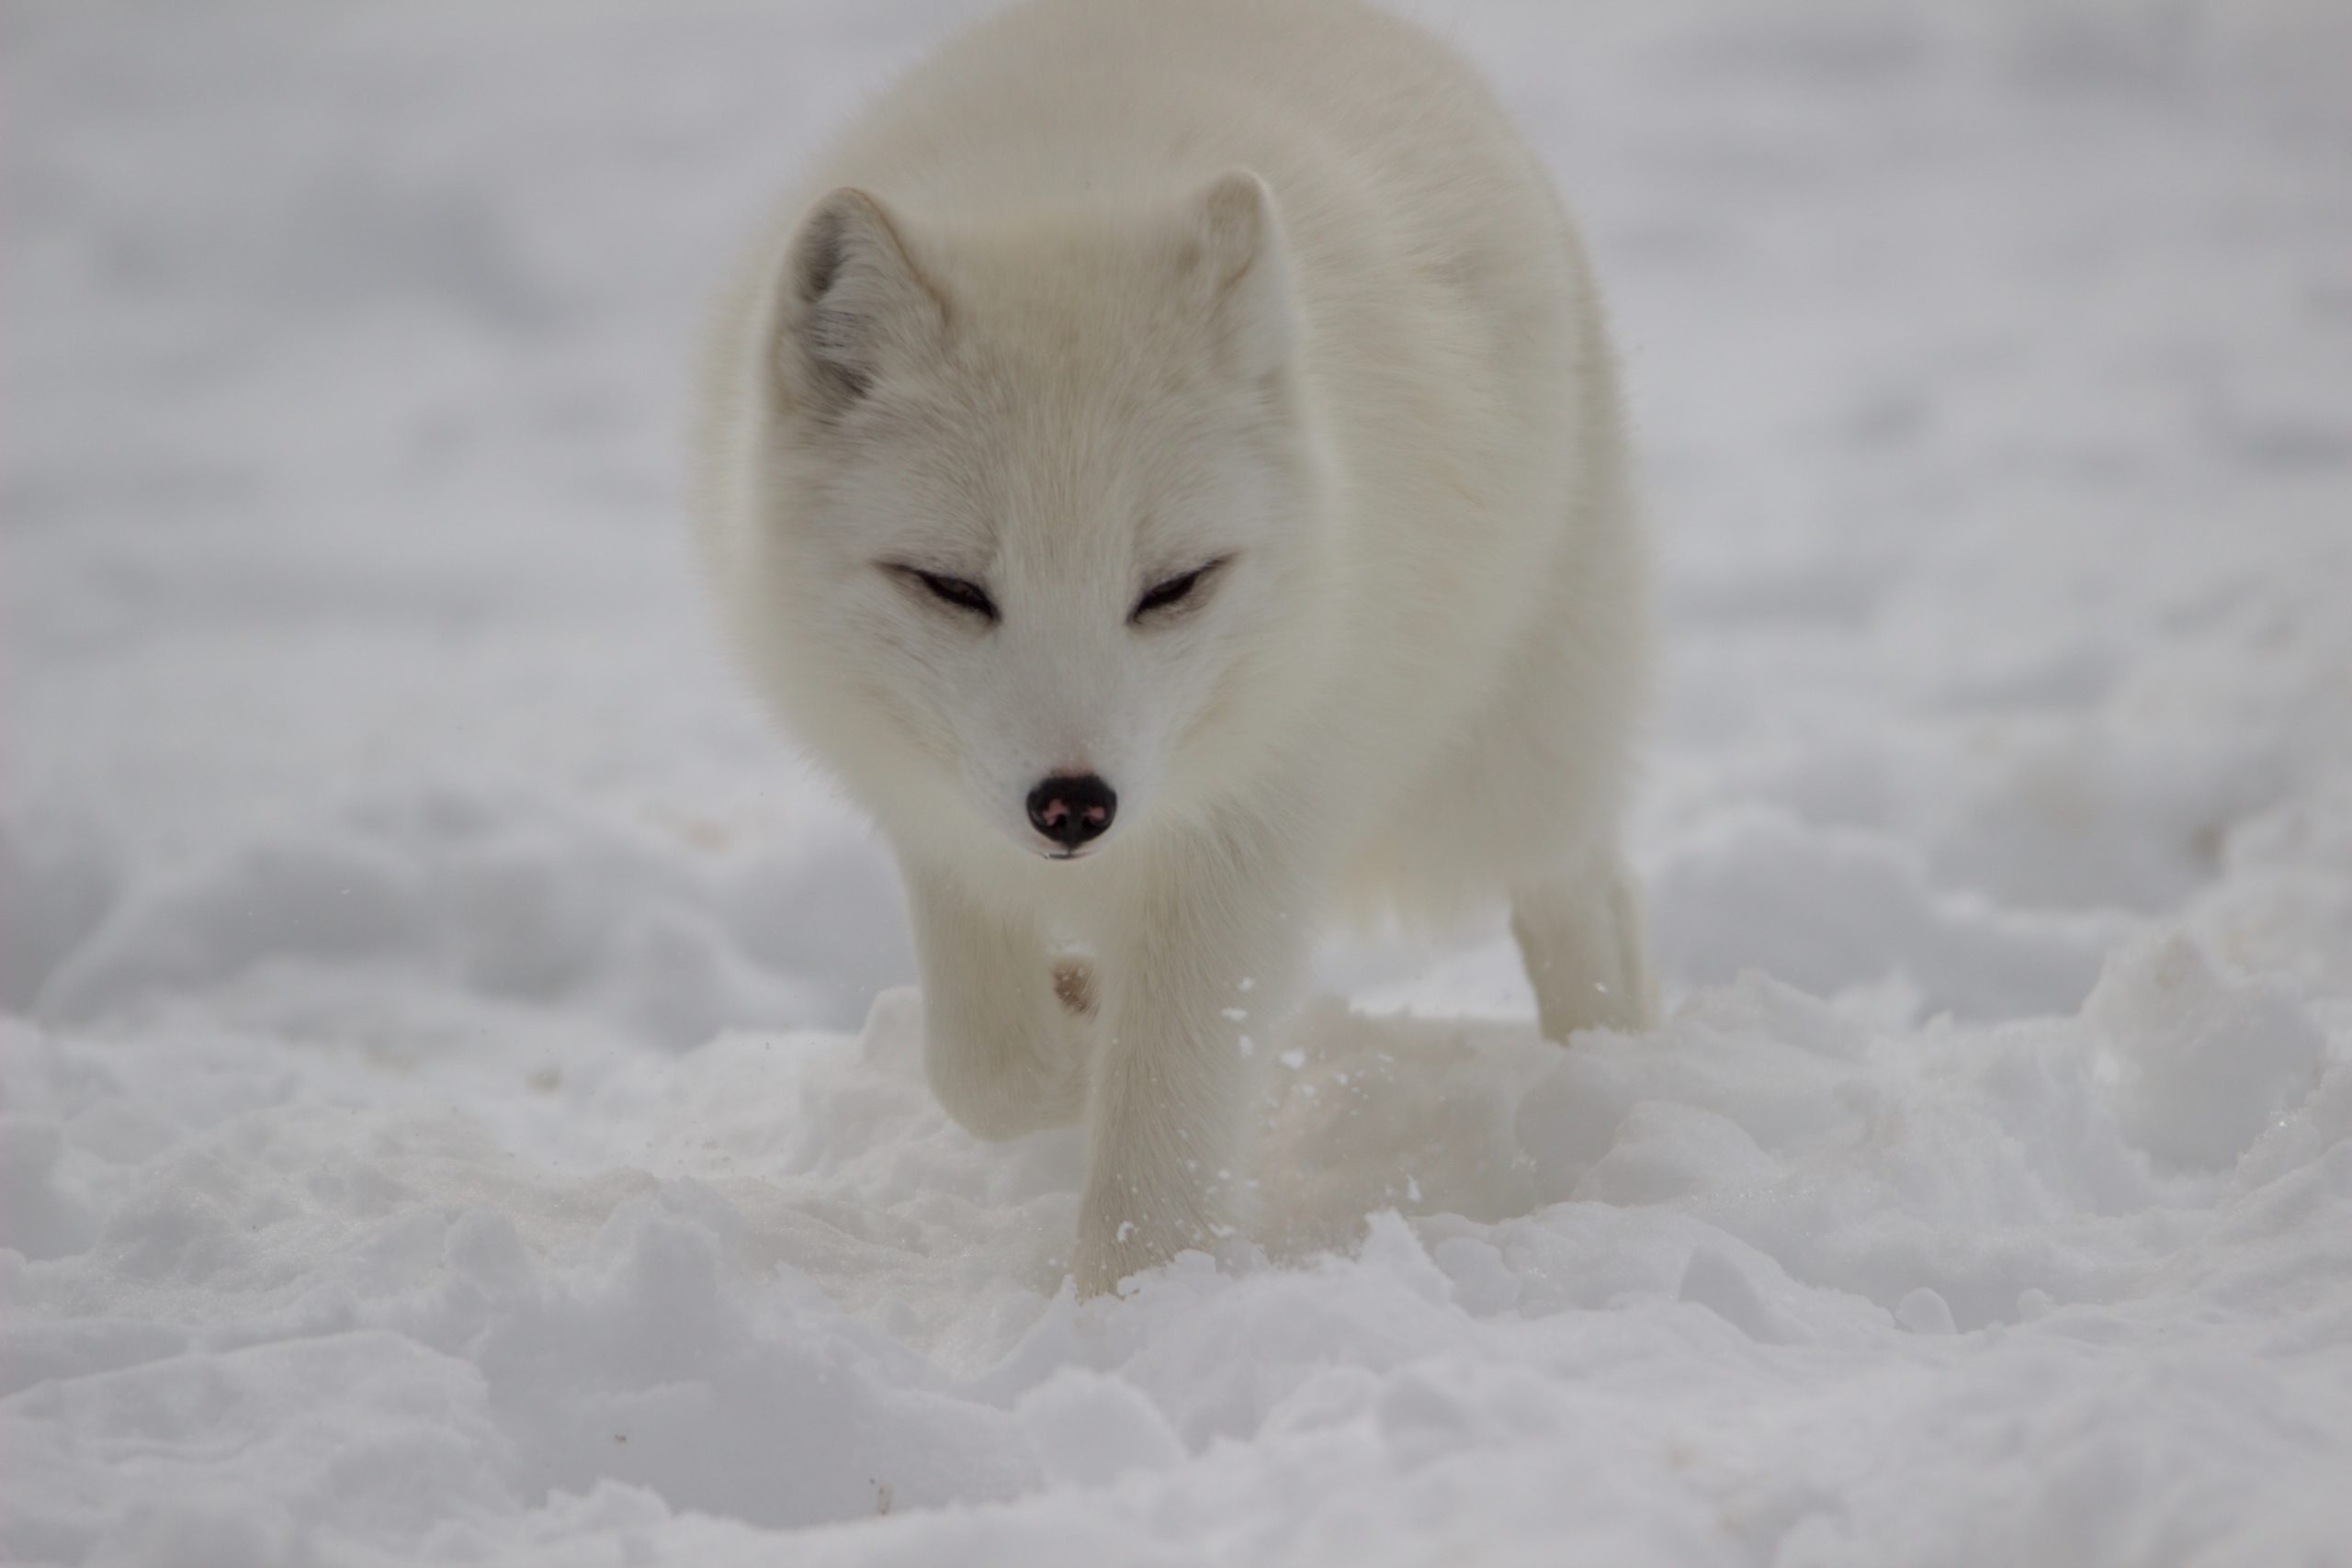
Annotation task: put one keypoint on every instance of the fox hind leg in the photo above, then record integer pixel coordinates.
(1580, 934)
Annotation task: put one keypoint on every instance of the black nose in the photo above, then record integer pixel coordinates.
(1071, 809)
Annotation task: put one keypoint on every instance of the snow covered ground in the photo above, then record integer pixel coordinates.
(461, 1100)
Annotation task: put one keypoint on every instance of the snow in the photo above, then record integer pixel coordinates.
(462, 1099)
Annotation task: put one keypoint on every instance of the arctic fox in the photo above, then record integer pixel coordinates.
(1166, 462)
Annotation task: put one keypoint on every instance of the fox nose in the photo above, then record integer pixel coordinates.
(1071, 809)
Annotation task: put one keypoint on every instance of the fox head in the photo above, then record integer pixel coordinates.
(1038, 500)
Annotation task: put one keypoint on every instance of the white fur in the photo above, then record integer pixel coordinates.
(1106, 289)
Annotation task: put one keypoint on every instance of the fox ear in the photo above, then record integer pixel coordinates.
(1235, 243)
(853, 304)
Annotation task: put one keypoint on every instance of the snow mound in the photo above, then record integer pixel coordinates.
(2201, 1067)
(798, 1296)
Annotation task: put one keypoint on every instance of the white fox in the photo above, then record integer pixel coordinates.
(1167, 463)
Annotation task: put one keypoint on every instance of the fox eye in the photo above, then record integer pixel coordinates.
(1174, 591)
(960, 592)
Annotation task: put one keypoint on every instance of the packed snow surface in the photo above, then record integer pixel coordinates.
(462, 1099)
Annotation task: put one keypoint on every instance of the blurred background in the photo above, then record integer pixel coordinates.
(1989, 364)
